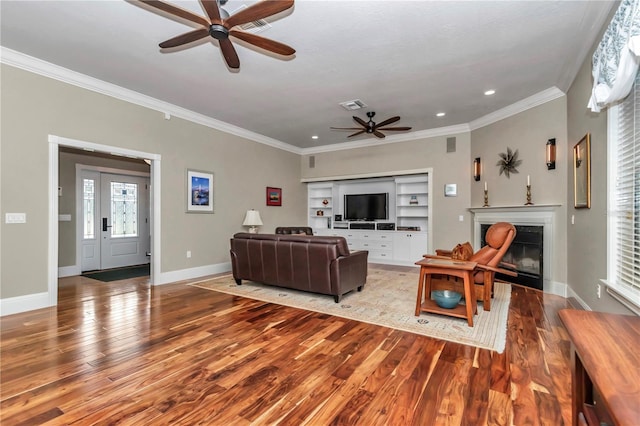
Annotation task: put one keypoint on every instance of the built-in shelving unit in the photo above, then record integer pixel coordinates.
(401, 239)
(320, 205)
(412, 203)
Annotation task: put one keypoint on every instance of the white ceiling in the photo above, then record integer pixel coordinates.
(407, 58)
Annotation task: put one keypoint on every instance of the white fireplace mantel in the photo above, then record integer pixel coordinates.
(536, 215)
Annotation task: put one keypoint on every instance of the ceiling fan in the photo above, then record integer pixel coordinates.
(220, 26)
(372, 128)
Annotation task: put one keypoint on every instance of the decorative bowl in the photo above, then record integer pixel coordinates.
(447, 299)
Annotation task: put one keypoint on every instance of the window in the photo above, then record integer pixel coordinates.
(88, 209)
(124, 209)
(623, 280)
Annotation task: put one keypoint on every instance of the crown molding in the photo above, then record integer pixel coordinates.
(37, 66)
(539, 98)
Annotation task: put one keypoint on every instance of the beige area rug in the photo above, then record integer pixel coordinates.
(388, 299)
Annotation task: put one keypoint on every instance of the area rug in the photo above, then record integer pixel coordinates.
(119, 273)
(388, 299)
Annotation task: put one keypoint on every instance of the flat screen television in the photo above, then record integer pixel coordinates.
(366, 206)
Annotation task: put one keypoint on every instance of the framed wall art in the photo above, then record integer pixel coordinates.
(199, 191)
(274, 196)
(582, 173)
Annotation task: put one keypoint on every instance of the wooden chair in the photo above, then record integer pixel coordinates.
(498, 238)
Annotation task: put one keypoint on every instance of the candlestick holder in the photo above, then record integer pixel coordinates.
(486, 198)
(528, 203)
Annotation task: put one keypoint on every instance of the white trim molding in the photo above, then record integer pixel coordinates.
(47, 69)
(28, 302)
(191, 273)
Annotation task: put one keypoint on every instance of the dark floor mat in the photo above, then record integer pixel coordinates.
(119, 273)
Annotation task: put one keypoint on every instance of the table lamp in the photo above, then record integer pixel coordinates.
(252, 220)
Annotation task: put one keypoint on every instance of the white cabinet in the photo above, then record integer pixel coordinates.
(409, 246)
(379, 244)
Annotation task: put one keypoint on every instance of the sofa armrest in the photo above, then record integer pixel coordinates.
(349, 272)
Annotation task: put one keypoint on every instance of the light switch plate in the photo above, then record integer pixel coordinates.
(15, 218)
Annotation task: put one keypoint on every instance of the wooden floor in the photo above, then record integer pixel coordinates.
(127, 353)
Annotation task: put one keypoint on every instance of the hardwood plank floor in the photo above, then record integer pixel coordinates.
(127, 353)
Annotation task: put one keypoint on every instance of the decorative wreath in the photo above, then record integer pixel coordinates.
(508, 162)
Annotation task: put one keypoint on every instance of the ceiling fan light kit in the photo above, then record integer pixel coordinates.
(370, 127)
(220, 26)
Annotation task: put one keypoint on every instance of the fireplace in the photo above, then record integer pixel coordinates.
(535, 228)
(525, 253)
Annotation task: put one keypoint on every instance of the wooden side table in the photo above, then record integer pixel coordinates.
(605, 360)
(454, 268)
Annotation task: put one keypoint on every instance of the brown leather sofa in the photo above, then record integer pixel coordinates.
(310, 263)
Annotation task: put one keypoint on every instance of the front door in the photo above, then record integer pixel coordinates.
(115, 223)
(124, 222)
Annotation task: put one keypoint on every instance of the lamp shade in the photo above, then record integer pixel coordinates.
(252, 218)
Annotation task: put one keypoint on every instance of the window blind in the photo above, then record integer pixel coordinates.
(626, 197)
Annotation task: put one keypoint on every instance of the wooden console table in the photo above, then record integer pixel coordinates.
(605, 360)
(455, 268)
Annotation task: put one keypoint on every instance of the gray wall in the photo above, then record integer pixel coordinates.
(432, 153)
(32, 107)
(527, 132)
(587, 238)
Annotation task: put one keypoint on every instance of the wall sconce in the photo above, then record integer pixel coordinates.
(551, 154)
(252, 220)
(476, 169)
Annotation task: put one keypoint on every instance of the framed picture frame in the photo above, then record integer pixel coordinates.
(582, 173)
(199, 191)
(274, 196)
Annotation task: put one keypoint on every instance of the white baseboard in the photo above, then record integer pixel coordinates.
(69, 271)
(582, 303)
(29, 302)
(188, 274)
(554, 287)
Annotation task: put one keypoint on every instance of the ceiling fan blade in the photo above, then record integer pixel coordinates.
(263, 43)
(399, 129)
(357, 133)
(388, 121)
(258, 11)
(378, 134)
(211, 7)
(361, 122)
(229, 53)
(177, 11)
(185, 38)
(345, 128)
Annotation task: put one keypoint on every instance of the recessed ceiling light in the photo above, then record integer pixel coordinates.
(489, 92)
(314, 137)
(440, 114)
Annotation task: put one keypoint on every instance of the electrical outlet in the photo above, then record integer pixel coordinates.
(188, 254)
(599, 290)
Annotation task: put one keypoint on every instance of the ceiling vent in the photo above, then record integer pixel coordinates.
(353, 105)
(254, 26)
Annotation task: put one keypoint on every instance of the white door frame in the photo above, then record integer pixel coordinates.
(54, 144)
(79, 206)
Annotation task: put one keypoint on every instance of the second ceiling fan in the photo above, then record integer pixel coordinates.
(370, 127)
(221, 26)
